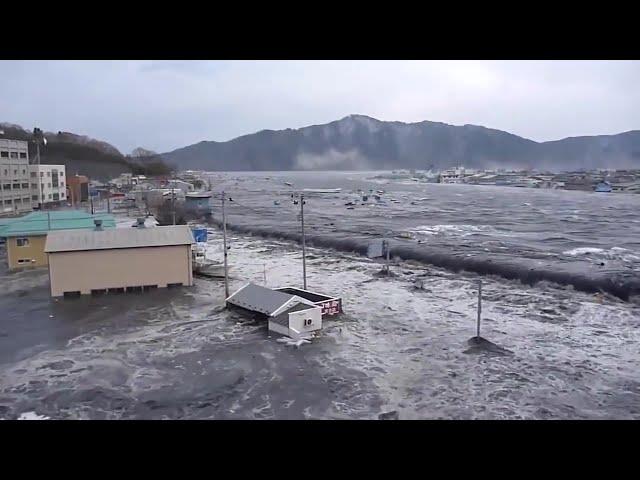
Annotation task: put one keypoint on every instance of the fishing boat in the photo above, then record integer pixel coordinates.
(603, 187)
(204, 266)
(322, 190)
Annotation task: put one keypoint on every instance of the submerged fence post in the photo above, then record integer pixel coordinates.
(479, 305)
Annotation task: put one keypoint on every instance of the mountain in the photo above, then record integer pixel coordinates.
(358, 142)
(84, 155)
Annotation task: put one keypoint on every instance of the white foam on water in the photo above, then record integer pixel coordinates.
(583, 251)
(32, 416)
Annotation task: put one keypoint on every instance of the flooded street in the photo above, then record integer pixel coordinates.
(402, 345)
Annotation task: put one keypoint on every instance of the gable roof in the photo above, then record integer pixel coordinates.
(264, 300)
(40, 223)
(80, 240)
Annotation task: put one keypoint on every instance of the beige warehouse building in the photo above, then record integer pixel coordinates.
(119, 259)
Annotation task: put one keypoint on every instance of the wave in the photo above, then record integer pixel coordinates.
(620, 285)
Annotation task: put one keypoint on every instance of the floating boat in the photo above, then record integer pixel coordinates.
(603, 187)
(322, 190)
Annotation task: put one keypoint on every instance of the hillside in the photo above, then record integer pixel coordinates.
(83, 155)
(359, 142)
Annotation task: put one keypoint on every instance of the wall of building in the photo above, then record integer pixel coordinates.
(48, 183)
(15, 189)
(296, 319)
(119, 268)
(33, 252)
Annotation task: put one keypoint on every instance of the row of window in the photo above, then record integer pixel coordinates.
(6, 154)
(15, 172)
(33, 174)
(17, 186)
(54, 197)
(25, 260)
(17, 200)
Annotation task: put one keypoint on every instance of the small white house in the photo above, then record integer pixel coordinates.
(289, 315)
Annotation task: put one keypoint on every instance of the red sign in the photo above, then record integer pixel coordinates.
(331, 307)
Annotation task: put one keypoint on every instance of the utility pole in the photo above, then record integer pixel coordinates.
(386, 248)
(479, 305)
(173, 199)
(224, 245)
(304, 253)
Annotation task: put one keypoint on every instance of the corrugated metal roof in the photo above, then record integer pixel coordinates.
(40, 223)
(259, 299)
(79, 240)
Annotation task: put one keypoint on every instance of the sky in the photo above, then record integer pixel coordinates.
(163, 105)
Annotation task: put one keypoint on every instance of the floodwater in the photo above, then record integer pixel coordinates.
(402, 344)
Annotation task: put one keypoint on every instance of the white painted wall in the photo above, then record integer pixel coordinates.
(44, 179)
(297, 319)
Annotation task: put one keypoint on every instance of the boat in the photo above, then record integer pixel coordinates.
(603, 187)
(203, 265)
(322, 190)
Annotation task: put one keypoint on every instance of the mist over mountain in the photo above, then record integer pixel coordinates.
(358, 142)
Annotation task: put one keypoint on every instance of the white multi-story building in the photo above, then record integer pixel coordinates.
(48, 184)
(15, 192)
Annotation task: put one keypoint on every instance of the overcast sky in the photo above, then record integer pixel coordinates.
(162, 105)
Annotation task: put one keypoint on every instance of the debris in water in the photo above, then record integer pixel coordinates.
(482, 345)
(392, 415)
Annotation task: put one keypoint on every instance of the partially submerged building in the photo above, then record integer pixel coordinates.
(26, 235)
(287, 314)
(117, 260)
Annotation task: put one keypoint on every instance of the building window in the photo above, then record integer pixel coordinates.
(23, 155)
(4, 154)
(24, 260)
(62, 195)
(8, 202)
(14, 154)
(34, 198)
(16, 186)
(34, 174)
(6, 186)
(25, 185)
(15, 172)
(61, 184)
(25, 199)
(48, 173)
(6, 172)
(62, 174)
(17, 200)
(34, 186)
(24, 172)
(22, 241)
(56, 196)
(49, 196)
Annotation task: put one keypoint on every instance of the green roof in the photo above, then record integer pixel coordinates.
(39, 223)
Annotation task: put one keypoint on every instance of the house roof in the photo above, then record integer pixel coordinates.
(264, 300)
(80, 240)
(41, 223)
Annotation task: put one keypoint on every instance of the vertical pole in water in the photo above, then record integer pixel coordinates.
(91, 198)
(386, 246)
(173, 202)
(304, 253)
(109, 202)
(479, 306)
(224, 245)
